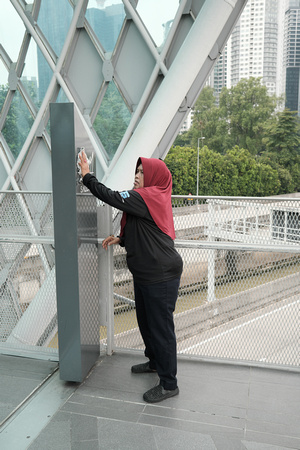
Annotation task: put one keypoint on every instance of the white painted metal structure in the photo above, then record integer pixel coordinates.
(158, 85)
(154, 84)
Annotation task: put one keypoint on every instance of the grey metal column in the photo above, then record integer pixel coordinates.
(106, 266)
(75, 224)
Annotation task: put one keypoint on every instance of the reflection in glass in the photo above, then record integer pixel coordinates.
(12, 32)
(106, 18)
(55, 31)
(62, 98)
(17, 124)
(3, 93)
(158, 15)
(44, 75)
(30, 74)
(54, 20)
(112, 120)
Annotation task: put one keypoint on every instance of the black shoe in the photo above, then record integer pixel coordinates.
(158, 393)
(142, 368)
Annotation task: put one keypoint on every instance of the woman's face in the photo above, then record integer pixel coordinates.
(139, 178)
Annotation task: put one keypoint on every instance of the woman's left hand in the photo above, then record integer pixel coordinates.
(83, 163)
(110, 240)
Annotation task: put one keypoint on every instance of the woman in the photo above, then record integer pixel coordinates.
(147, 232)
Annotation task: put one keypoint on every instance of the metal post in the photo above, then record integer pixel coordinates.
(211, 256)
(197, 192)
(75, 222)
(106, 276)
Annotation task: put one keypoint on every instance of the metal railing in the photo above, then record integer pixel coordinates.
(239, 291)
(28, 322)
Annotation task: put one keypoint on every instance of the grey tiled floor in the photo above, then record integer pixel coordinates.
(220, 406)
(19, 378)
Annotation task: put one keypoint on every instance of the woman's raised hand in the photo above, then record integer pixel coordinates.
(110, 240)
(83, 163)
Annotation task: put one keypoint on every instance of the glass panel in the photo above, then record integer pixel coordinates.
(37, 74)
(3, 74)
(61, 98)
(112, 120)
(44, 75)
(30, 76)
(106, 18)
(3, 173)
(158, 15)
(17, 124)
(3, 93)
(54, 20)
(11, 35)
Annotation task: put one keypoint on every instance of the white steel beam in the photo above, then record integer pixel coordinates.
(190, 59)
(57, 78)
(137, 113)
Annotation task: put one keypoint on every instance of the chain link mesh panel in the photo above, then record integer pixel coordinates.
(88, 268)
(27, 274)
(239, 291)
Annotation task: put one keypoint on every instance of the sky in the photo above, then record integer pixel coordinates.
(11, 36)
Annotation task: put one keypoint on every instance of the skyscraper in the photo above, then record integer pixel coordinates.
(291, 55)
(254, 44)
(254, 49)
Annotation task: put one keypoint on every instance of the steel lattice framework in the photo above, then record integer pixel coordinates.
(131, 92)
(107, 62)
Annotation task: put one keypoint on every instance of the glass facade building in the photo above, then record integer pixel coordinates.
(292, 55)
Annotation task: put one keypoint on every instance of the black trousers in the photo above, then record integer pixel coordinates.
(155, 304)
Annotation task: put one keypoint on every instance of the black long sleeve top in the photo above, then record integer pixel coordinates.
(151, 256)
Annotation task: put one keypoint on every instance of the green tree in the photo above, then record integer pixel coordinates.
(233, 174)
(3, 93)
(207, 122)
(240, 118)
(247, 108)
(182, 163)
(287, 184)
(283, 137)
(112, 120)
(18, 122)
(282, 144)
(183, 140)
(216, 174)
(252, 177)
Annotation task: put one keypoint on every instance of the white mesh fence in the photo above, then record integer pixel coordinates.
(28, 320)
(239, 292)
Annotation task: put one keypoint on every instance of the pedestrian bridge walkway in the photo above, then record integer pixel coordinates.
(221, 406)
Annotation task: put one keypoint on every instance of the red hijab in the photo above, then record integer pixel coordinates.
(156, 193)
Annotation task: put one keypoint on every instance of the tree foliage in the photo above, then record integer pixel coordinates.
(240, 118)
(18, 121)
(247, 108)
(282, 143)
(249, 148)
(207, 122)
(182, 163)
(112, 120)
(235, 173)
